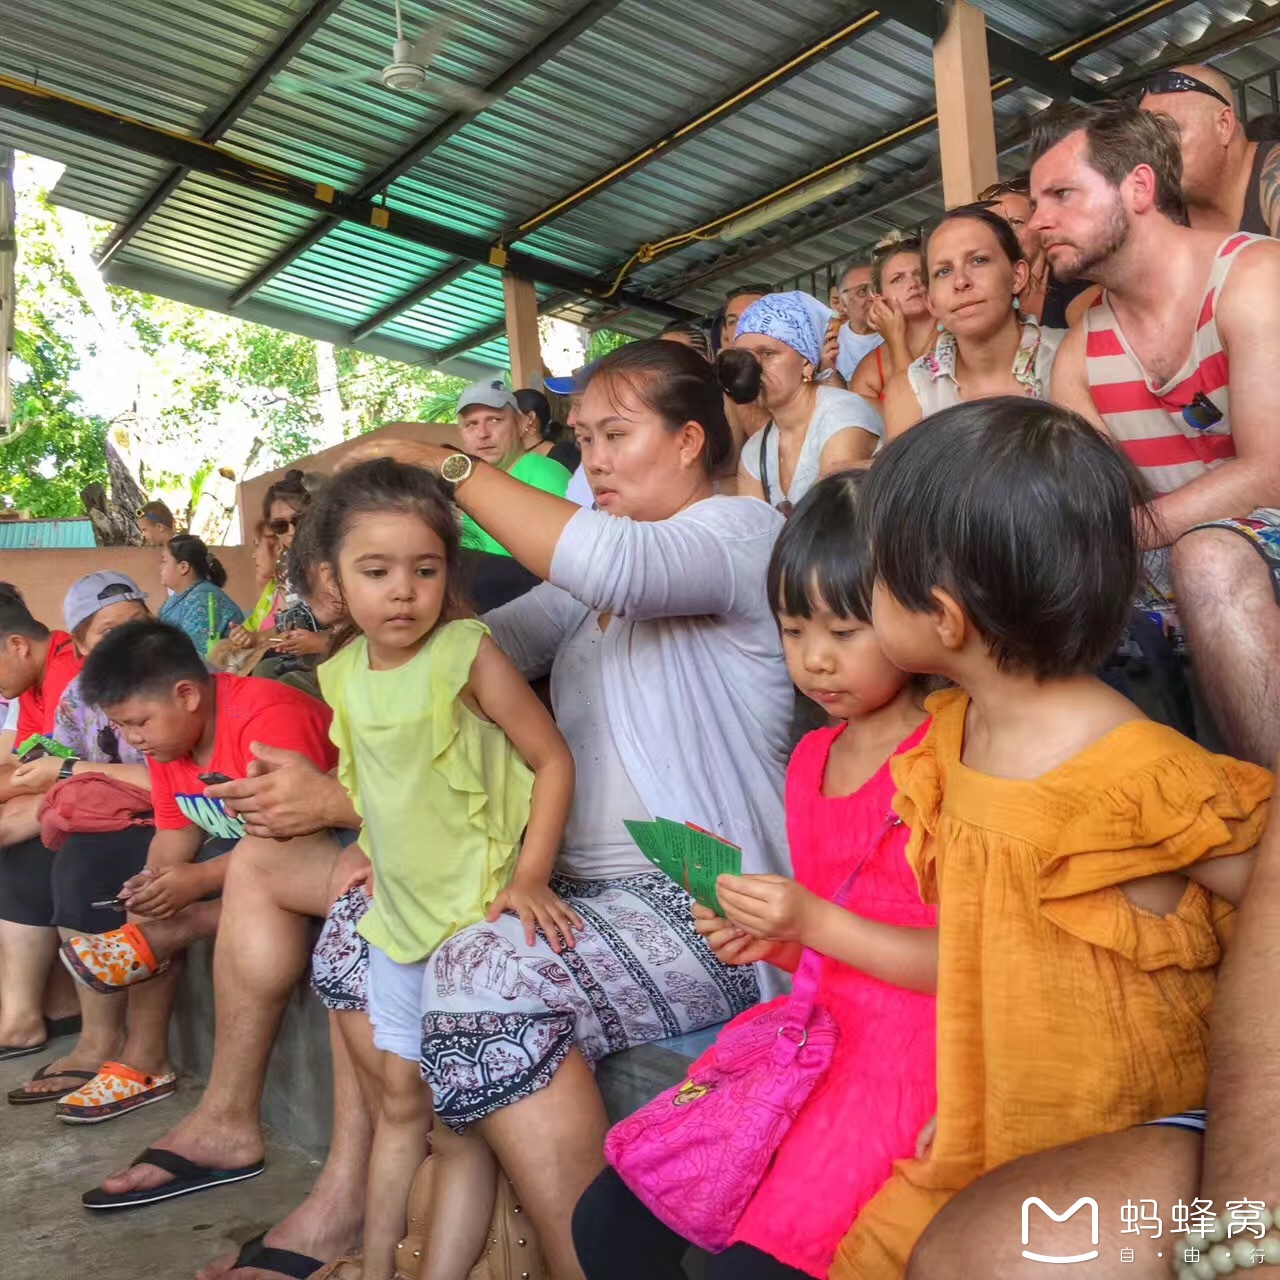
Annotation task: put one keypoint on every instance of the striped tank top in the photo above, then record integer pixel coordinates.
(1176, 432)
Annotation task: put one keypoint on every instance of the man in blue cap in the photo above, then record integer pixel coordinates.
(573, 386)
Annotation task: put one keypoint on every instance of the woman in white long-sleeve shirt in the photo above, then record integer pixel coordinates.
(668, 683)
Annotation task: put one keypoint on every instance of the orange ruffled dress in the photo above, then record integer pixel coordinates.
(1064, 1010)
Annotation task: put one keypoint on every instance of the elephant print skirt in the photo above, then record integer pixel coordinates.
(502, 1015)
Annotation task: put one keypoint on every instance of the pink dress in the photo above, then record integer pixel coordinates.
(881, 1088)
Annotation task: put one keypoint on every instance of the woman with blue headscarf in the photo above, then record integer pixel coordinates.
(813, 430)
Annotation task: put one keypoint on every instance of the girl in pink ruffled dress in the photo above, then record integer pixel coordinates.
(880, 947)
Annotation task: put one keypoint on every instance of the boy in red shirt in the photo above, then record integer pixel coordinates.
(196, 729)
(36, 665)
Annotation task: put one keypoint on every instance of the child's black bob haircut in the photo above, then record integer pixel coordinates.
(1024, 514)
(139, 660)
(822, 556)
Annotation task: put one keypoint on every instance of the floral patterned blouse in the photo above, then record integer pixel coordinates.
(933, 375)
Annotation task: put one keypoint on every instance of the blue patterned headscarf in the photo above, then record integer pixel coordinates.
(798, 319)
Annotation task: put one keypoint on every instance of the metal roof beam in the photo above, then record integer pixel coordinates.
(721, 110)
(497, 329)
(408, 301)
(899, 187)
(1131, 20)
(928, 17)
(96, 122)
(567, 32)
(805, 58)
(239, 103)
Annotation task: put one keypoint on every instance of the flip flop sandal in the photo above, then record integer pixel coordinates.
(261, 1256)
(22, 1096)
(108, 962)
(114, 1091)
(8, 1051)
(188, 1178)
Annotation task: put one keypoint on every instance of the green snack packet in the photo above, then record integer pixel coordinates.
(39, 744)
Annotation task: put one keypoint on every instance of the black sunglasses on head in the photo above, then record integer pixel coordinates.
(1180, 82)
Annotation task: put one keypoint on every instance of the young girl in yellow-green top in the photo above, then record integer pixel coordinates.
(463, 784)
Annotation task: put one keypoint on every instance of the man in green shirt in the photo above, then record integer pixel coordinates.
(489, 420)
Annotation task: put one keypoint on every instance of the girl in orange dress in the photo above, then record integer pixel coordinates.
(1084, 858)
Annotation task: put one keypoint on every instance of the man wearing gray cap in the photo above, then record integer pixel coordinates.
(489, 420)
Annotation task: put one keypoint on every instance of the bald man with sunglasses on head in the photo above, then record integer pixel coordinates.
(1228, 183)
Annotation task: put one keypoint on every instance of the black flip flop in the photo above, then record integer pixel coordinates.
(8, 1051)
(264, 1257)
(21, 1097)
(188, 1178)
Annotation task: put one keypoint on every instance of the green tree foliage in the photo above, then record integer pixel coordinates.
(602, 341)
(201, 391)
(212, 391)
(57, 449)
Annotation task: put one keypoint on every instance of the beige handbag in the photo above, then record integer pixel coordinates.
(511, 1249)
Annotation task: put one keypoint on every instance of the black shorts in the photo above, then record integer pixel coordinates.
(91, 868)
(42, 888)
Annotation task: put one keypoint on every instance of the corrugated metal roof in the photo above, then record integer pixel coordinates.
(45, 535)
(639, 71)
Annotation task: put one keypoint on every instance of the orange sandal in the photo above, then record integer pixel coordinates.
(115, 1090)
(109, 962)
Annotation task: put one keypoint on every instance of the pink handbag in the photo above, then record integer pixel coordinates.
(696, 1154)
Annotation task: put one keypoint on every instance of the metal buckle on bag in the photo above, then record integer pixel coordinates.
(799, 1044)
(691, 1091)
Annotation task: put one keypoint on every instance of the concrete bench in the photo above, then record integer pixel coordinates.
(298, 1100)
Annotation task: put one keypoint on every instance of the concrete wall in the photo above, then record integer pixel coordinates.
(250, 493)
(44, 576)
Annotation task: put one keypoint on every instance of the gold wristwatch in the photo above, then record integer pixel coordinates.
(456, 468)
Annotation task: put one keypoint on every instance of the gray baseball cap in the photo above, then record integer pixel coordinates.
(493, 393)
(96, 591)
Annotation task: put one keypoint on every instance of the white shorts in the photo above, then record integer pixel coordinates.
(395, 1004)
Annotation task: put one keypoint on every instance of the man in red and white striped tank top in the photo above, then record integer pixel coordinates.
(1178, 361)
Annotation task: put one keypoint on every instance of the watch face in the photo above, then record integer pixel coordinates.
(456, 467)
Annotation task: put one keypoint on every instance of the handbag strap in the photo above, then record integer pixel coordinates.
(808, 974)
(764, 462)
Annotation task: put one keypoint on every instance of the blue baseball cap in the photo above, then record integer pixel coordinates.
(575, 384)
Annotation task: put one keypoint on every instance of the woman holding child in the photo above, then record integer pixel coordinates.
(672, 693)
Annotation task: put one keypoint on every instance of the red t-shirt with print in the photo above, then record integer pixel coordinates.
(36, 707)
(246, 710)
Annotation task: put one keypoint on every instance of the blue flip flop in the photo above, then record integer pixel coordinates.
(188, 1178)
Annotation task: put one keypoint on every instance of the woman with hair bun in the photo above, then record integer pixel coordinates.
(541, 433)
(813, 430)
(198, 605)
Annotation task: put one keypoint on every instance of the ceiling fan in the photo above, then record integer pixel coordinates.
(409, 71)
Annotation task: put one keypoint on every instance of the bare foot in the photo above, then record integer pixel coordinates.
(21, 1035)
(321, 1227)
(204, 1141)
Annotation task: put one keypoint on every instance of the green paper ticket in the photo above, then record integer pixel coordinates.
(691, 857)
